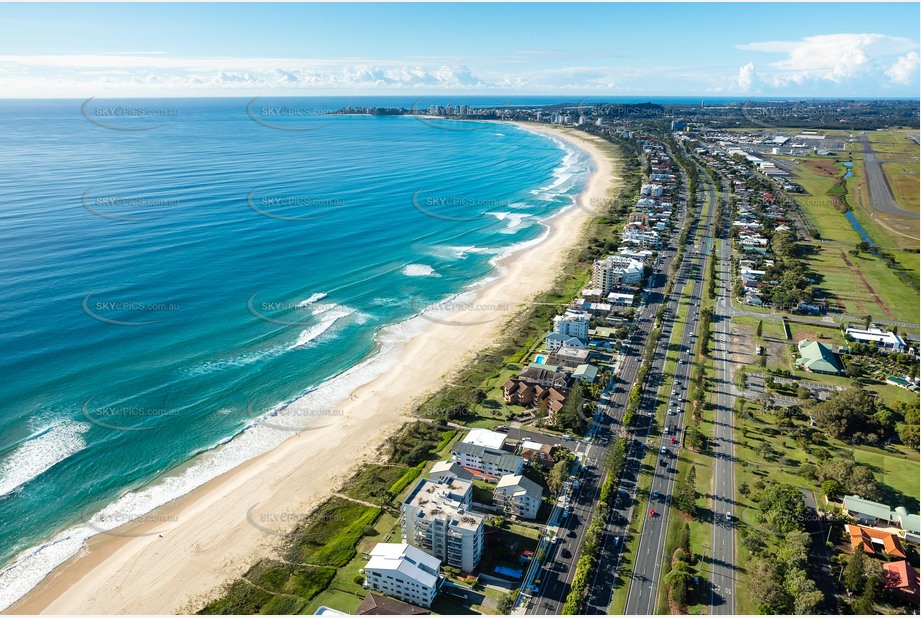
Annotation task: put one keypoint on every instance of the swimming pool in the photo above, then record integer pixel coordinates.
(540, 360)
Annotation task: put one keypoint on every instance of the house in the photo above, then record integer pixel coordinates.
(875, 541)
(490, 464)
(592, 295)
(405, 572)
(569, 356)
(485, 437)
(556, 341)
(885, 340)
(585, 373)
(536, 453)
(518, 495)
(903, 578)
(442, 469)
(620, 300)
(377, 605)
(817, 358)
(436, 518)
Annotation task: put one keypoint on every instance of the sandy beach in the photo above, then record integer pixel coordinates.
(211, 540)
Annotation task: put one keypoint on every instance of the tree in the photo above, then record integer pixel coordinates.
(679, 581)
(807, 598)
(506, 602)
(760, 328)
(854, 478)
(855, 570)
(803, 393)
(909, 432)
(847, 414)
(832, 488)
(764, 581)
(867, 319)
(782, 507)
(686, 496)
(558, 475)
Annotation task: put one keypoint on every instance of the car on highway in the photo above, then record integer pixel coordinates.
(662, 462)
(655, 495)
(664, 450)
(652, 512)
(673, 439)
(728, 516)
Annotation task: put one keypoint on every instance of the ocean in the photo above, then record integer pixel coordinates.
(174, 272)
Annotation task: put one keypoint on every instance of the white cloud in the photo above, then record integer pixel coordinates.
(835, 58)
(905, 69)
(747, 77)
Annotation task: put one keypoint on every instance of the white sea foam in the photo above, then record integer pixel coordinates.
(514, 220)
(39, 453)
(31, 566)
(312, 299)
(419, 270)
(330, 317)
(317, 310)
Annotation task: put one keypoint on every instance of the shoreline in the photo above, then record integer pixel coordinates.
(212, 542)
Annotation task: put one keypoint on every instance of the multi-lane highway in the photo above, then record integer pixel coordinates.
(647, 563)
(721, 556)
(555, 578)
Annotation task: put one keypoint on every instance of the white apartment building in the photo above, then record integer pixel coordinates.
(616, 271)
(493, 463)
(573, 323)
(404, 572)
(518, 495)
(436, 518)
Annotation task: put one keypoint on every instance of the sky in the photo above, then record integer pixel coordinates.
(621, 49)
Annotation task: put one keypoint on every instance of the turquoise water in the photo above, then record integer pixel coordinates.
(167, 290)
(540, 360)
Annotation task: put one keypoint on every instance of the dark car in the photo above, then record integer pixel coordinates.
(566, 553)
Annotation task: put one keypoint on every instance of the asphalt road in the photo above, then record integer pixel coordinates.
(555, 578)
(647, 562)
(879, 192)
(723, 571)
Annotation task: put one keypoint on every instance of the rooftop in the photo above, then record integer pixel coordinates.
(408, 560)
(485, 437)
(379, 605)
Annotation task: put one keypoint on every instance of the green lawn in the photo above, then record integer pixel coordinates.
(769, 327)
(862, 284)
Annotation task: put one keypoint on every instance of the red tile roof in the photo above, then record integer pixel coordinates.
(886, 541)
(901, 576)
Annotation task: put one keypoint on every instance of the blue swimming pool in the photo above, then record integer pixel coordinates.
(540, 360)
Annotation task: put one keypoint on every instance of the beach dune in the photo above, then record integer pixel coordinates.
(211, 541)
